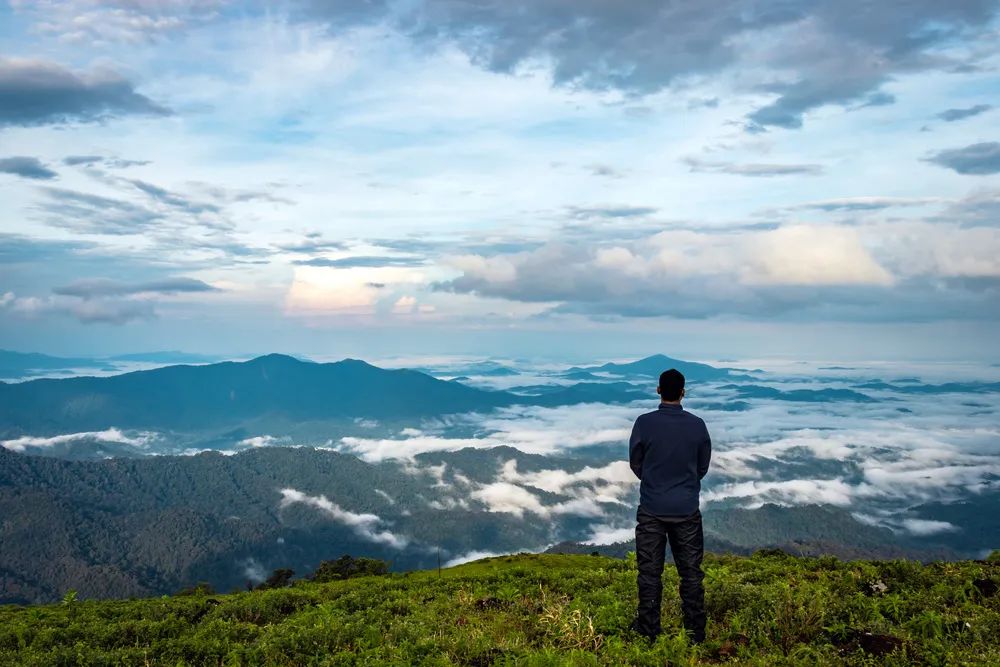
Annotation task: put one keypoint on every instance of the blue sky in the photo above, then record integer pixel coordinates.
(547, 178)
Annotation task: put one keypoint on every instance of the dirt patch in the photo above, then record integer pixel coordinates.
(491, 604)
(869, 642)
(731, 646)
(486, 659)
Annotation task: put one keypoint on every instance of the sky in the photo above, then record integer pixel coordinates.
(816, 180)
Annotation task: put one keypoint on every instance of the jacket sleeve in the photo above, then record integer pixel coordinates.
(704, 454)
(636, 451)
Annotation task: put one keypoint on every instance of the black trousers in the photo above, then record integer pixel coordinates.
(687, 545)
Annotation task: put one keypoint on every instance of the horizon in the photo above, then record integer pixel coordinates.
(422, 178)
(789, 366)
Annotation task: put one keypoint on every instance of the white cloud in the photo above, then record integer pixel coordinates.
(509, 499)
(590, 490)
(918, 527)
(810, 255)
(262, 441)
(380, 449)
(364, 525)
(87, 311)
(471, 556)
(926, 483)
(610, 534)
(607, 482)
(254, 571)
(317, 290)
(448, 503)
(97, 22)
(793, 254)
(114, 435)
(532, 430)
(788, 492)
(923, 527)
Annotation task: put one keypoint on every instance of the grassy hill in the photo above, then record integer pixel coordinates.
(541, 610)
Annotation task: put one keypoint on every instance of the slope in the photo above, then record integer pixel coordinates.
(769, 609)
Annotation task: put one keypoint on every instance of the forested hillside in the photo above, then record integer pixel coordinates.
(770, 609)
(133, 527)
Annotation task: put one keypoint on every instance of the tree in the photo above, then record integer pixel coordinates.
(280, 578)
(201, 588)
(347, 566)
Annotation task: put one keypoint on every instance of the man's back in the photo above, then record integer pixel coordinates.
(669, 451)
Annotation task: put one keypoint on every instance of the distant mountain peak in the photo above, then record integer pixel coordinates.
(655, 364)
(277, 357)
(659, 358)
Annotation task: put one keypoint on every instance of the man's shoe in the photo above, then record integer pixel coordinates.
(637, 628)
(696, 636)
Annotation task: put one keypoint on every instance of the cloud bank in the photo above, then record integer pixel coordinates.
(812, 54)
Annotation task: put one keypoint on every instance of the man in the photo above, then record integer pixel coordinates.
(669, 452)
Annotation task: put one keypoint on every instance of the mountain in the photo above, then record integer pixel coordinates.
(274, 388)
(656, 364)
(533, 609)
(15, 365)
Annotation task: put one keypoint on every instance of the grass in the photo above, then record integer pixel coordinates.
(769, 609)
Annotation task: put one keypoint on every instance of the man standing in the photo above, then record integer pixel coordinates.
(669, 452)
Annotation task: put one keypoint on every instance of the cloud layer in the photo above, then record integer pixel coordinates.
(785, 272)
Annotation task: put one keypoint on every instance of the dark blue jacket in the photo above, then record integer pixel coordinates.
(669, 451)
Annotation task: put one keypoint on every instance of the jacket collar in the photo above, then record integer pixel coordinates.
(670, 406)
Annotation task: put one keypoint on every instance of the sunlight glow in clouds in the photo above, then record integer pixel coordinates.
(346, 291)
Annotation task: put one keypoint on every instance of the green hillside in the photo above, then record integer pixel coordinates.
(541, 610)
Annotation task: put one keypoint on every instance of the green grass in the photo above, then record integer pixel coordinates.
(541, 610)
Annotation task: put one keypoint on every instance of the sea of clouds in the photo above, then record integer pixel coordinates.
(876, 458)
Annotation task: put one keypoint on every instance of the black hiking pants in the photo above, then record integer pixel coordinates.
(688, 548)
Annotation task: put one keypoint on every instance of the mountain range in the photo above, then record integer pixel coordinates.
(275, 387)
(278, 394)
